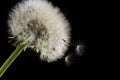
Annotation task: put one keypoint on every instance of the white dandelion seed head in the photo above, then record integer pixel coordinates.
(41, 24)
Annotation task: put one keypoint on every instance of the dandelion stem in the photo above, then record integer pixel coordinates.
(11, 58)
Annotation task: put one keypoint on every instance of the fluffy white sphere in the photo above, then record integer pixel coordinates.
(41, 24)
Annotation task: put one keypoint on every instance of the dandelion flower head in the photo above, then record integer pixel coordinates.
(42, 25)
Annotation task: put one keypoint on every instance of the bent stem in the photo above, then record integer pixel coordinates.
(11, 58)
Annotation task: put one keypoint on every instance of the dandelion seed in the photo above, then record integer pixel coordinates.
(74, 53)
(42, 25)
(68, 61)
(79, 50)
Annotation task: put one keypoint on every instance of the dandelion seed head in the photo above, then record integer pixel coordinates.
(42, 25)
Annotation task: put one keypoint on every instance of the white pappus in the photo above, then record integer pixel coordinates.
(79, 50)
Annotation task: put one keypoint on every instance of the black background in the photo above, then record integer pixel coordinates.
(85, 18)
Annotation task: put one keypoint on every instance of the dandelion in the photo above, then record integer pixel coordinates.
(38, 25)
(42, 26)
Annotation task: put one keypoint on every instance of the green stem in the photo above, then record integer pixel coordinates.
(11, 58)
